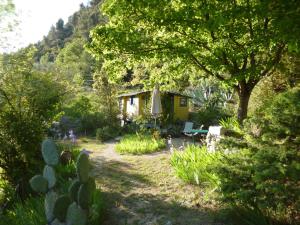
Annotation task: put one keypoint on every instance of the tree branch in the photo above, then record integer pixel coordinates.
(252, 59)
(266, 22)
(249, 21)
(244, 66)
(277, 57)
(7, 100)
(204, 68)
(199, 43)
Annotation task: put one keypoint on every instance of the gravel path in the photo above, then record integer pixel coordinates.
(142, 190)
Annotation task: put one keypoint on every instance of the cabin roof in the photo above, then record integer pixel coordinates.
(141, 92)
(132, 93)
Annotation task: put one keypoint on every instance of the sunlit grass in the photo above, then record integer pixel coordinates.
(87, 143)
(90, 144)
(196, 165)
(140, 144)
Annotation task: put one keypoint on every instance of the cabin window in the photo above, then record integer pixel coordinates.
(183, 101)
(131, 100)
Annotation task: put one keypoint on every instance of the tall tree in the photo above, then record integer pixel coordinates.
(106, 96)
(237, 41)
(29, 103)
(73, 60)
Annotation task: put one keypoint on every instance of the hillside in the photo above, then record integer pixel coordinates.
(63, 47)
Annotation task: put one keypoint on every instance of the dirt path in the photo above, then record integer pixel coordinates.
(142, 190)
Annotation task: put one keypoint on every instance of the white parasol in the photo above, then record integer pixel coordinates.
(156, 108)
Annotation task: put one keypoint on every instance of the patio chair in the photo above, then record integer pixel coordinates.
(188, 127)
(189, 131)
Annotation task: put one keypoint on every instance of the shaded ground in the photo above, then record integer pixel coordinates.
(142, 190)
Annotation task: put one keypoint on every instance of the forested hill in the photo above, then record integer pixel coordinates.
(78, 26)
(62, 49)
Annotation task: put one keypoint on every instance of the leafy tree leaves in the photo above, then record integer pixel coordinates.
(238, 42)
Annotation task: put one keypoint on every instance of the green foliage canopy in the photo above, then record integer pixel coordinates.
(263, 169)
(238, 42)
(29, 102)
(73, 61)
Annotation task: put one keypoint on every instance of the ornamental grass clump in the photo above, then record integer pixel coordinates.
(196, 165)
(140, 144)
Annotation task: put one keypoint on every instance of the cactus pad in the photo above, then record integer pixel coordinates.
(61, 207)
(83, 167)
(57, 222)
(50, 199)
(39, 184)
(73, 189)
(50, 153)
(76, 215)
(49, 175)
(92, 184)
(84, 196)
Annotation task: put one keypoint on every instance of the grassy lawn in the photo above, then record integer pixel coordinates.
(140, 144)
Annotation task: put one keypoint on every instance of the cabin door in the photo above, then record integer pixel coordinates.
(172, 108)
(167, 101)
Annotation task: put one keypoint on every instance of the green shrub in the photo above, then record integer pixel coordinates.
(130, 128)
(29, 102)
(106, 133)
(196, 165)
(232, 124)
(7, 193)
(140, 144)
(90, 122)
(249, 216)
(27, 213)
(209, 116)
(262, 171)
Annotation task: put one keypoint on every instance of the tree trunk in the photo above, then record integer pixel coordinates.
(244, 96)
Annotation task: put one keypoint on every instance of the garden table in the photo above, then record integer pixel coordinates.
(196, 131)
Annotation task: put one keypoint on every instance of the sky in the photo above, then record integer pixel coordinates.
(35, 19)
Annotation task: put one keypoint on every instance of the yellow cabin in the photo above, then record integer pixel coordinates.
(175, 106)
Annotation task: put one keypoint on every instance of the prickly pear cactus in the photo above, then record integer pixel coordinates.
(57, 222)
(70, 209)
(61, 207)
(91, 184)
(39, 184)
(81, 192)
(85, 193)
(46, 182)
(76, 215)
(84, 196)
(73, 190)
(50, 153)
(50, 200)
(83, 167)
(49, 175)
